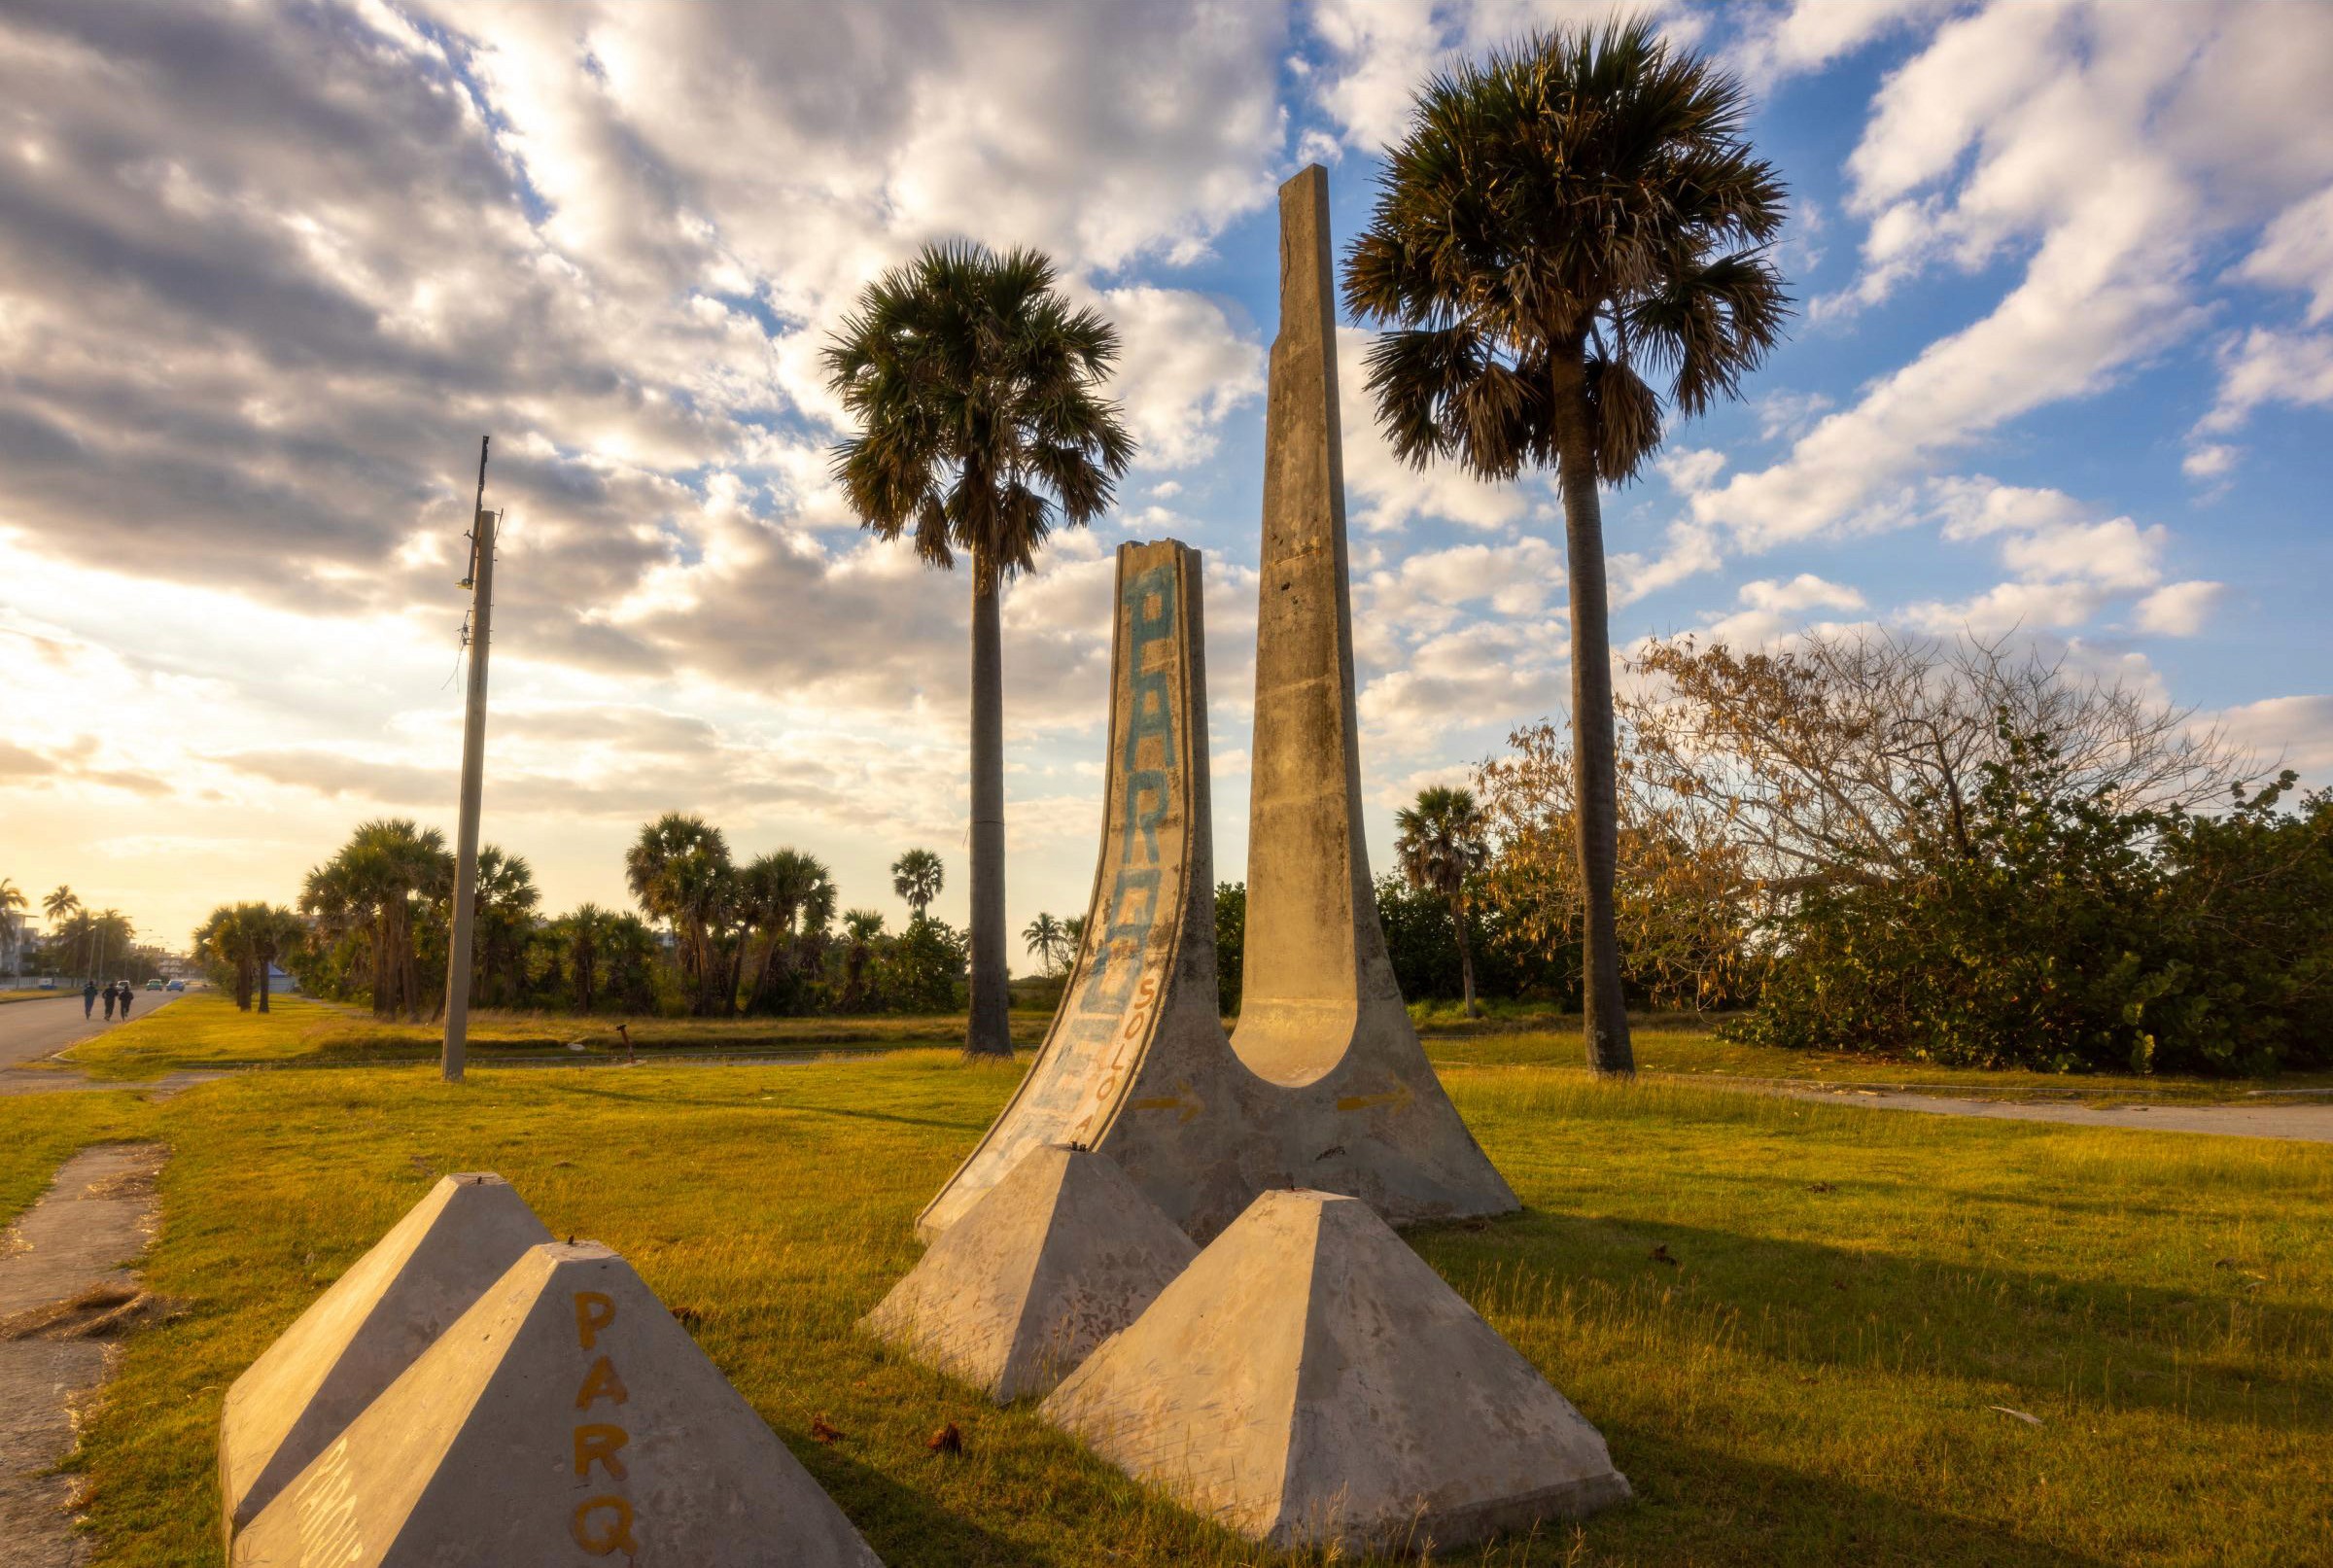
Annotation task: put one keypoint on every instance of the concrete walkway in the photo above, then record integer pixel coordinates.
(2307, 1123)
(32, 1031)
(64, 1278)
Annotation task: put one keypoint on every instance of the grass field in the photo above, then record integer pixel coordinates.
(1812, 1381)
(205, 1031)
(36, 996)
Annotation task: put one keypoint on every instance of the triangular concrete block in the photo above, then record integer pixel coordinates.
(372, 1324)
(1057, 1257)
(566, 1418)
(1311, 1383)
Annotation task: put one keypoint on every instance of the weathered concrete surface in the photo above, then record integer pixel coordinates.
(98, 1214)
(565, 1419)
(1311, 1383)
(1325, 1083)
(1058, 1256)
(359, 1336)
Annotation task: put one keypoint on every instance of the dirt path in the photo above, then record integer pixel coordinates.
(64, 1286)
(2307, 1123)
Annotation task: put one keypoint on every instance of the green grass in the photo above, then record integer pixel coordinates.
(1810, 1382)
(1681, 1046)
(207, 1031)
(204, 1032)
(30, 995)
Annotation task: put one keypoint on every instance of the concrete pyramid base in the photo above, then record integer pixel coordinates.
(1057, 1257)
(372, 1324)
(565, 1417)
(1311, 1383)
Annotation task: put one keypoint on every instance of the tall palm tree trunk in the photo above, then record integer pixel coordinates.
(1594, 780)
(264, 985)
(988, 1032)
(1465, 957)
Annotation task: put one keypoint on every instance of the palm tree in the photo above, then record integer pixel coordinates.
(861, 928)
(505, 901)
(627, 958)
(582, 931)
(112, 933)
(1045, 938)
(60, 905)
(270, 930)
(775, 890)
(370, 889)
(222, 947)
(1570, 211)
(680, 870)
(917, 878)
(13, 904)
(976, 386)
(1440, 846)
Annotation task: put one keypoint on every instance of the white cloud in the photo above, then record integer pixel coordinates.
(2114, 554)
(2266, 366)
(2296, 252)
(1803, 592)
(2010, 607)
(2179, 608)
(2294, 732)
(2210, 461)
(1185, 370)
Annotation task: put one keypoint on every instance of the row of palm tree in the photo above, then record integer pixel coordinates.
(1565, 224)
(368, 900)
(729, 920)
(96, 942)
(242, 942)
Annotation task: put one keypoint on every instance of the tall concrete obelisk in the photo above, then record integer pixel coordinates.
(1315, 956)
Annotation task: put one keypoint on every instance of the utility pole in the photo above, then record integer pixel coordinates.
(480, 583)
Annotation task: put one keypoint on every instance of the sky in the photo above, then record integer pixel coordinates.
(2062, 372)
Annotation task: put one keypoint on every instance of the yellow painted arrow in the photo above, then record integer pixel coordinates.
(1182, 1099)
(1401, 1098)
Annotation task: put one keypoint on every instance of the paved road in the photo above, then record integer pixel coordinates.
(2310, 1123)
(31, 1031)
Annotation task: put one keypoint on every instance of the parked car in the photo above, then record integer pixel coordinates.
(48, 982)
(176, 984)
(154, 985)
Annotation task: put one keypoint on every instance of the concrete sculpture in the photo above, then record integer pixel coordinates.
(1311, 1383)
(566, 1418)
(373, 1323)
(1058, 1257)
(1325, 1083)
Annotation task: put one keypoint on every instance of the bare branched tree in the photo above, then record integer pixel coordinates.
(1852, 756)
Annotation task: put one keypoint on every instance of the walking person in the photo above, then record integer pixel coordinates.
(109, 1002)
(89, 997)
(125, 995)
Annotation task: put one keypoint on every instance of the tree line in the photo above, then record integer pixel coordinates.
(714, 937)
(1938, 850)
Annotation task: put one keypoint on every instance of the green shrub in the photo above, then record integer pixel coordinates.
(2052, 929)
